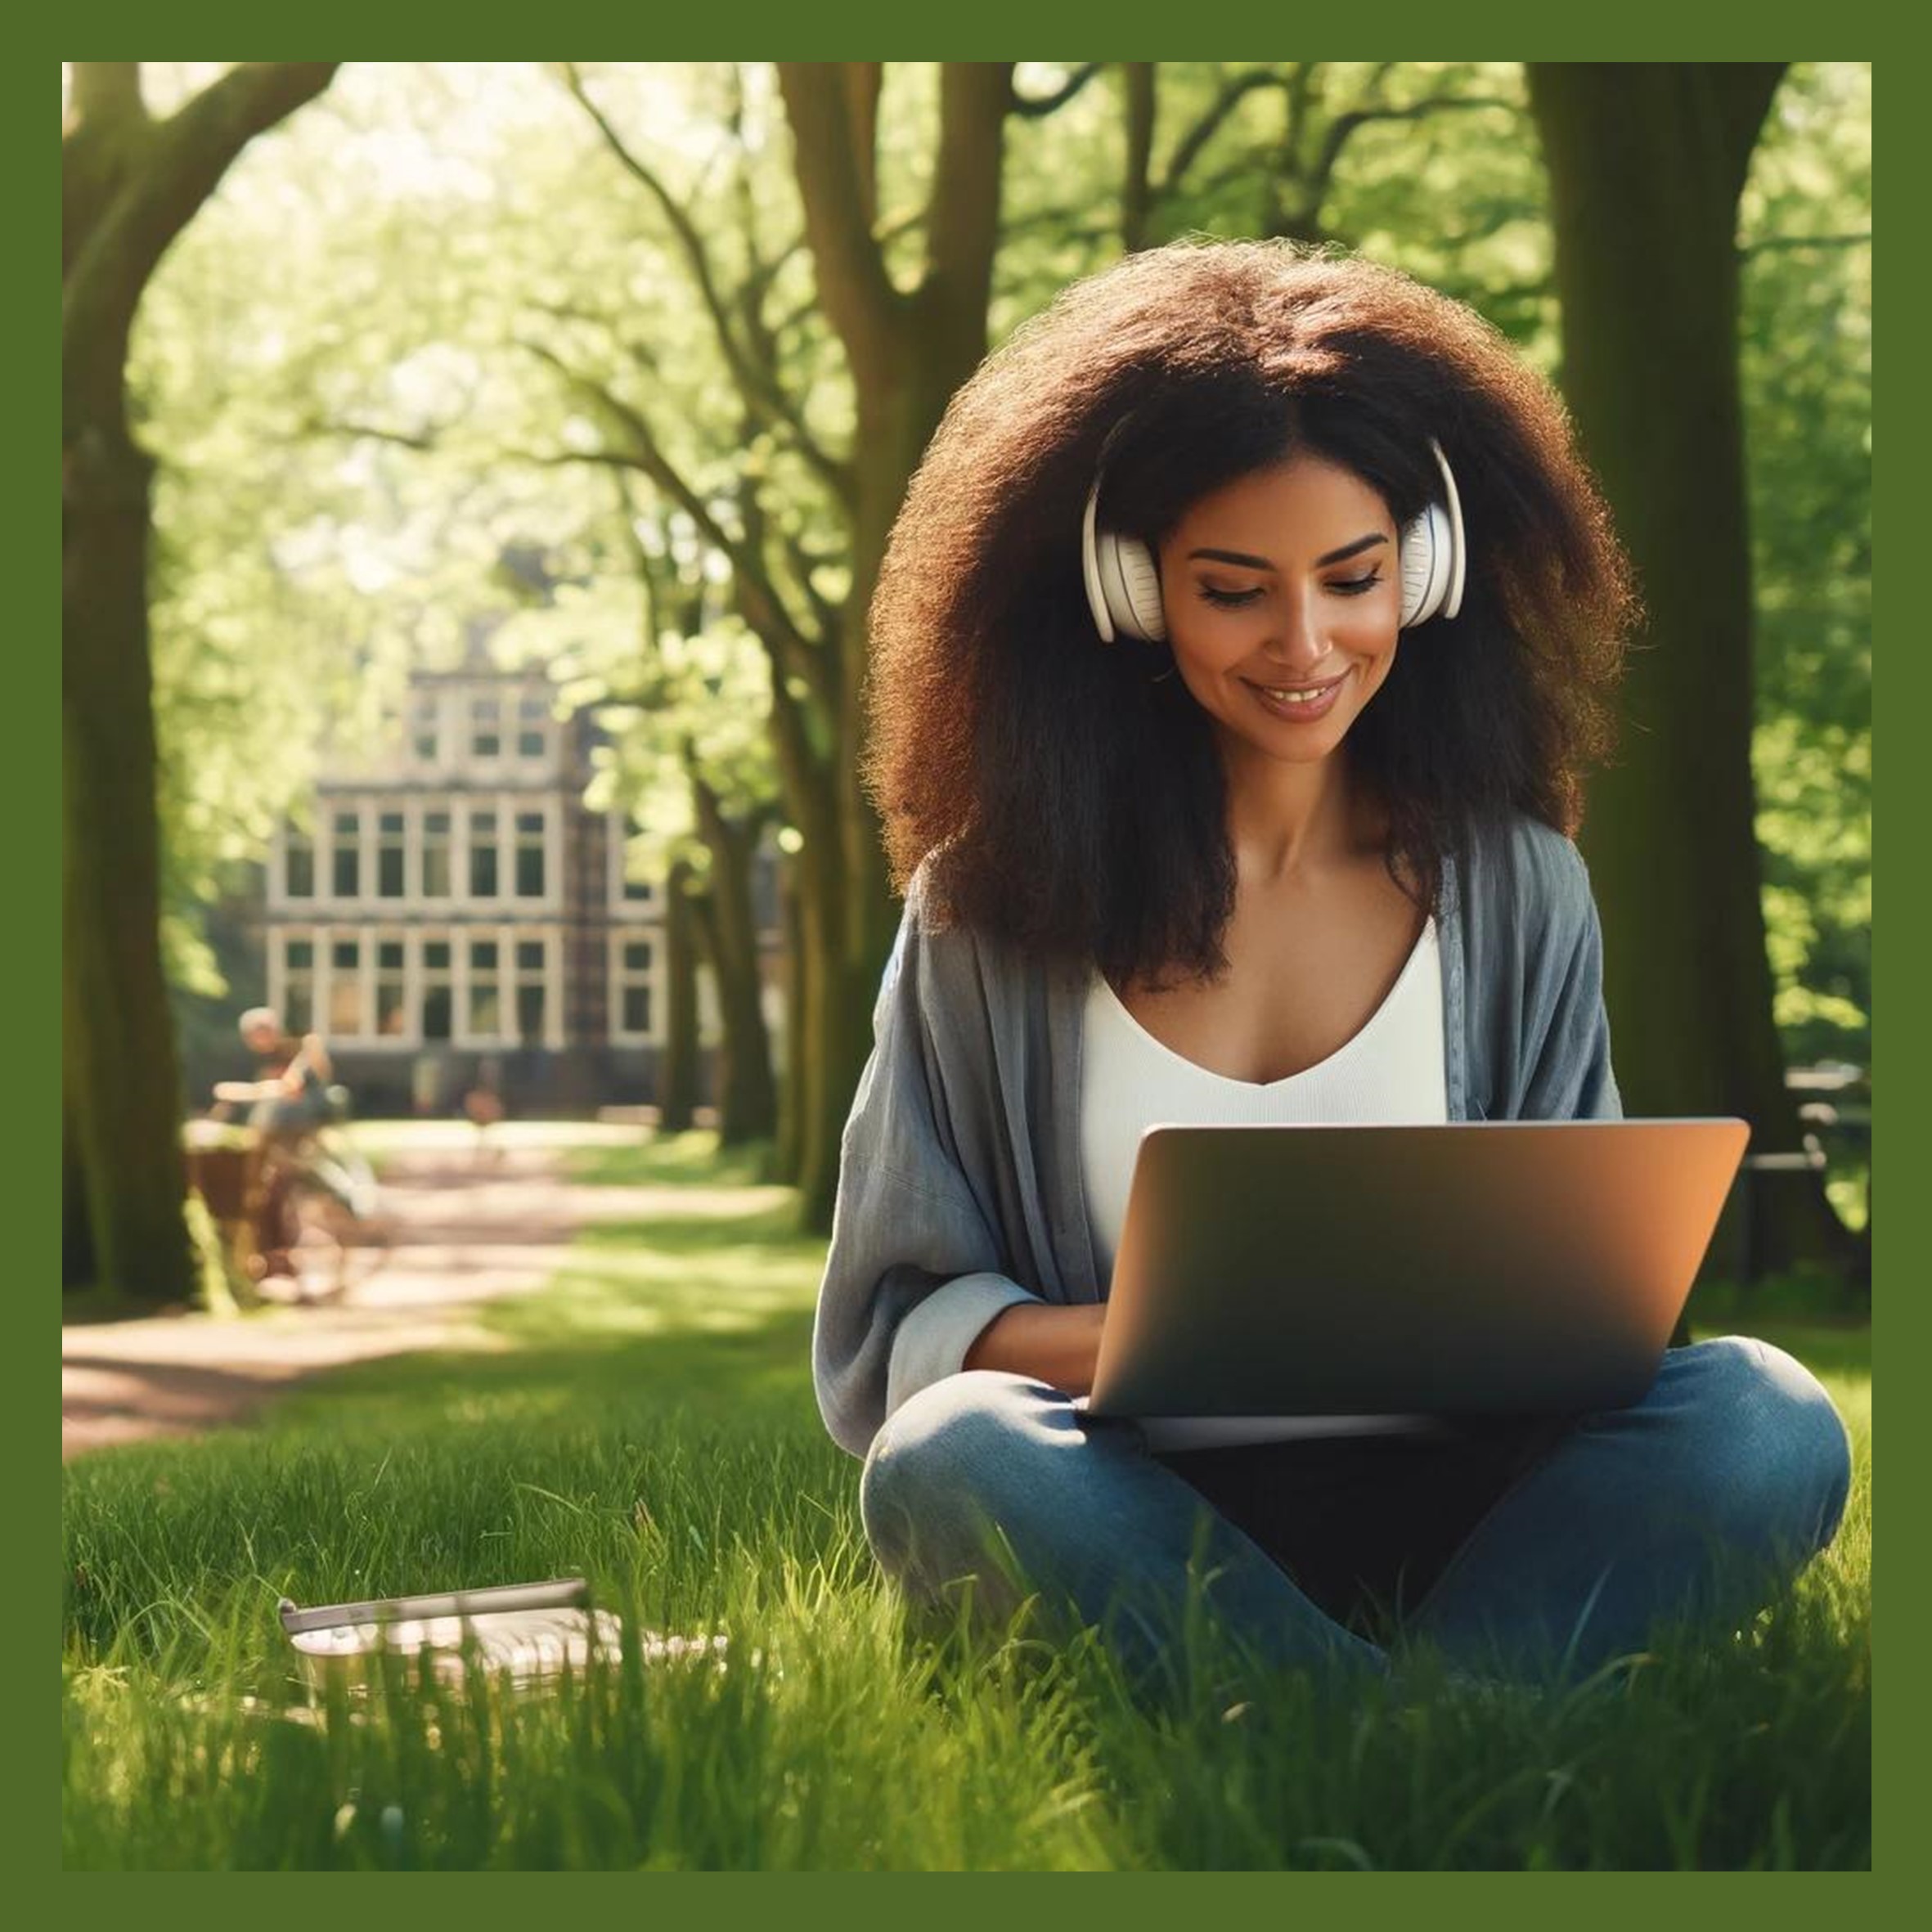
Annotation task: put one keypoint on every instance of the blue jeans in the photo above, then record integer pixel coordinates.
(1703, 1499)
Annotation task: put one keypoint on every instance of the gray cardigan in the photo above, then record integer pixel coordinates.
(959, 1189)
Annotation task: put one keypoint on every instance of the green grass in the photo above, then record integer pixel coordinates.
(648, 1419)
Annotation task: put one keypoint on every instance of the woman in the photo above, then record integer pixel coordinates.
(1193, 828)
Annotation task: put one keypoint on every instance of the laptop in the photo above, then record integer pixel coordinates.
(1375, 1275)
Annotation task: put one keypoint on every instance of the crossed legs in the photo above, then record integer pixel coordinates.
(1707, 1496)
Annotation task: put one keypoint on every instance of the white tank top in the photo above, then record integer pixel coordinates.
(1392, 1073)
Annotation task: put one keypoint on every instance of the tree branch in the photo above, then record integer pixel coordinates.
(1766, 244)
(803, 563)
(1234, 92)
(761, 339)
(760, 387)
(963, 229)
(183, 159)
(759, 601)
(421, 440)
(864, 309)
(1305, 86)
(642, 563)
(1037, 106)
(104, 90)
(1344, 126)
(1137, 199)
(864, 81)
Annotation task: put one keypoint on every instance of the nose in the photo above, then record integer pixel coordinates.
(1294, 639)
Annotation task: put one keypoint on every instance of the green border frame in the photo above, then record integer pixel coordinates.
(33, 778)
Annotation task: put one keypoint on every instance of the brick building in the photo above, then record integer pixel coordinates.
(454, 912)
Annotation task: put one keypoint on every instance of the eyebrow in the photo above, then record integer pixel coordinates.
(1336, 556)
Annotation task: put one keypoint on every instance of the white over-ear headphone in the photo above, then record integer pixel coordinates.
(1124, 586)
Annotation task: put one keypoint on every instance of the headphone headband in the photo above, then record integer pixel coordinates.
(1123, 582)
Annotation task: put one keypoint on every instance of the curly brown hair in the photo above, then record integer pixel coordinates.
(1058, 795)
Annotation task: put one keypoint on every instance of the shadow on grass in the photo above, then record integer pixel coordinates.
(651, 1406)
(691, 1316)
(693, 1158)
(84, 1307)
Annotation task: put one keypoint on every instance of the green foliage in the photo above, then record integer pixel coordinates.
(677, 684)
(1806, 363)
(220, 1286)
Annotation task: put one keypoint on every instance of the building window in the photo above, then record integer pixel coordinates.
(483, 855)
(632, 891)
(389, 856)
(298, 863)
(532, 714)
(345, 988)
(485, 995)
(533, 968)
(298, 985)
(436, 994)
(391, 991)
(634, 987)
(426, 729)
(436, 855)
(529, 873)
(347, 875)
(486, 728)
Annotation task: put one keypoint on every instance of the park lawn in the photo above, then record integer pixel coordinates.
(647, 1418)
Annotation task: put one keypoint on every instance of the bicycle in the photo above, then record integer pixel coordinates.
(323, 1194)
(334, 1238)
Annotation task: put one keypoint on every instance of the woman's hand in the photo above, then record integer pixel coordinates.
(1056, 1346)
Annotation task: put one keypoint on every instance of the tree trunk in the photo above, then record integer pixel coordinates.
(1645, 164)
(748, 1095)
(126, 1095)
(825, 1048)
(908, 351)
(129, 186)
(1137, 185)
(791, 1113)
(79, 1269)
(678, 1071)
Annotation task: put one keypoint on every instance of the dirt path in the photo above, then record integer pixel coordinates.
(464, 1235)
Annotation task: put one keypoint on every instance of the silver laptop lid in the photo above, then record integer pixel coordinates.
(1475, 1268)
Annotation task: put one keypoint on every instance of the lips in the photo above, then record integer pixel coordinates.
(1300, 703)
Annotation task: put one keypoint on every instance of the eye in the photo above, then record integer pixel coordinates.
(1353, 586)
(1227, 599)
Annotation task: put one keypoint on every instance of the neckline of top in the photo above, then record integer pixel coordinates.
(1423, 941)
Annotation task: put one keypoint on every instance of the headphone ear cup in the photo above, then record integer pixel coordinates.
(1426, 554)
(1089, 565)
(1129, 589)
(1141, 591)
(1435, 553)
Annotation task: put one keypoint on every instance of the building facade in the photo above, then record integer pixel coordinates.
(453, 915)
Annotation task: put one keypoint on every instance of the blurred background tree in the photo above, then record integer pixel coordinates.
(130, 183)
(1806, 243)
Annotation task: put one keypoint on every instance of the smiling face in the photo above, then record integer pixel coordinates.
(1283, 596)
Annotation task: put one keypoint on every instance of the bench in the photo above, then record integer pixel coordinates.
(1841, 1108)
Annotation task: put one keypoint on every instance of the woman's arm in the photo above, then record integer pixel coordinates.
(915, 1273)
(1053, 1345)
